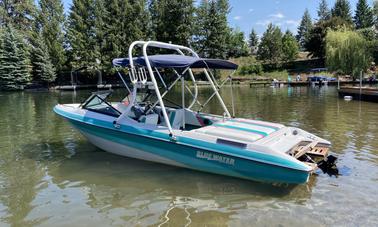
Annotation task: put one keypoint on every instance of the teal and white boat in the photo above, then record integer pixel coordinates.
(145, 125)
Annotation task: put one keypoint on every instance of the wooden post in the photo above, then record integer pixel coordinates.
(360, 83)
(338, 82)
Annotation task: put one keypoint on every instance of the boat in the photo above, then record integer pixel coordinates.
(146, 125)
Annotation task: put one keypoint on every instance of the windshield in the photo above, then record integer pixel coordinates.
(96, 103)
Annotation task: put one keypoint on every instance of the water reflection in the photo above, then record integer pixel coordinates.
(150, 193)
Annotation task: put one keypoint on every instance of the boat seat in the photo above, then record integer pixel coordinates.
(176, 117)
(151, 119)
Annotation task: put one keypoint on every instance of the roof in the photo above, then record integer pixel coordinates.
(177, 61)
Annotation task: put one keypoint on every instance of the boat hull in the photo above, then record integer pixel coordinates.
(176, 154)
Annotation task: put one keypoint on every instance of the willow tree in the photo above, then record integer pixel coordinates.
(346, 52)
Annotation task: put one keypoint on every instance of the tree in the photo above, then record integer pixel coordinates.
(172, 20)
(19, 14)
(123, 24)
(364, 15)
(14, 62)
(237, 45)
(346, 52)
(43, 69)
(50, 22)
(212, 31)
(316, 42)
(253, 41)
(290, 47)
(81, 33)
(270, 47)
(375, 13)
(304, 29)
(342, 9)
(323, 11)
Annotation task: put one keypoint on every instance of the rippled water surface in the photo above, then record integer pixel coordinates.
(51, 176)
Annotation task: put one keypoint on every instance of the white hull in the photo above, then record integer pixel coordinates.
(120, 149)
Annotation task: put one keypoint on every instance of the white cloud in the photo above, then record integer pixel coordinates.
(277, 15)
(237, 17)
(263, 22)
(292, 22)
(250, 10)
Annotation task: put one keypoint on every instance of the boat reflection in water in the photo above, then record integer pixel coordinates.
(132, 192)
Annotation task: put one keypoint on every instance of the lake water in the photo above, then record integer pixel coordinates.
(51, 176)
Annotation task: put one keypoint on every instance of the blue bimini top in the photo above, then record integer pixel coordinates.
(177, 61)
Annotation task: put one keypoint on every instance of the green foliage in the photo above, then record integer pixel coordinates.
(304, 29)
(14, 62)
(375, 13)
(237, 45)
(290, 47)
(277, 74)
(371, 37)
(18, 13)
(346, 52)
(370, 34)
(270, 47)
(316, 42)
(364, 15)
(342, 9)
(43, 69)
(81, 33)
(172, 20)
(212, 31)
(323, 11)
(256, 69)
(253, 41)
(50, 22)
(119, 23)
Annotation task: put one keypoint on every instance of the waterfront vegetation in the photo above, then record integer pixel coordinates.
(39, 42)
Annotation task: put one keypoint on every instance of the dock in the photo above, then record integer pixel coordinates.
(87, 86)
(360, 93)
(304, 83)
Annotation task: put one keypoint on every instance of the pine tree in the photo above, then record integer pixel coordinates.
(101, 27)
(253, 41)
(172, 20)
(14, 62)
(43, 69)
(323, 11)
(290, 47)
(212, 31)
(19, 14)
(237, 47)
(270, 47)
(125, 22)
(81, 33)
(375, 12)
(50, 22)
(342, 9)
(304, 29)
(364, 15)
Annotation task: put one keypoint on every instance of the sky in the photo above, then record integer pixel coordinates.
(257, 14)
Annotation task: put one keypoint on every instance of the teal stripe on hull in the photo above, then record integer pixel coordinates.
(242, 129)
(256, 124)
(199, 159)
